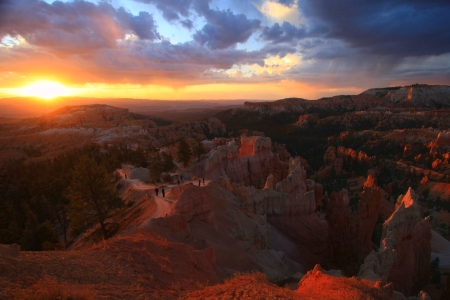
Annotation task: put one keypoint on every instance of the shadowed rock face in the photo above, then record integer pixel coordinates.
(405, 249)
(349, 238)
(443, 139)
(251, 164)
(340, 237)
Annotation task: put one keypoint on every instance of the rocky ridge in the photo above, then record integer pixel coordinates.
(415, 96)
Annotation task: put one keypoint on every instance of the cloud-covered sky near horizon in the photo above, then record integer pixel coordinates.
(304, 48)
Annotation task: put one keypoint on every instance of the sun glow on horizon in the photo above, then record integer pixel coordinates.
(44, 89)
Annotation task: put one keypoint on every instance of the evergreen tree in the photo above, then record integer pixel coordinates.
(37, 235)
(184, 152)
(29, 240)
(169, 166)
(156, 167)
(91, 194)
(199, 150)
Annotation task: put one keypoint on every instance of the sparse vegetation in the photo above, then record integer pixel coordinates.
(50, 288)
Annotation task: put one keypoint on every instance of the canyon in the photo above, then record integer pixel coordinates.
(359, 211)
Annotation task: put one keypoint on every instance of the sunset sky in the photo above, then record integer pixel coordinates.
(216, 49)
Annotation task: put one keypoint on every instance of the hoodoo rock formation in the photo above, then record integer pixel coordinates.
(347, 155)
(339, 238)
(251, 164)
(349, 237)
(405, 249)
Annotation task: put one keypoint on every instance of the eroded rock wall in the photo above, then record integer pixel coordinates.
(251, 164)
(405, 249)
(350, 235)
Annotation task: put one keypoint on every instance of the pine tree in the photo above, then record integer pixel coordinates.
(184, 152)
(91, 194)
(199, 150)
(169, 166)
(156, 167)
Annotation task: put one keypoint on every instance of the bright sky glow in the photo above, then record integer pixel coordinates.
(44, 89)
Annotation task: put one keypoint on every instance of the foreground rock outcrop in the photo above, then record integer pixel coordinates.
(405, 249)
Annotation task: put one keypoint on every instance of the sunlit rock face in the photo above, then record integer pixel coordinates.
(405, 249)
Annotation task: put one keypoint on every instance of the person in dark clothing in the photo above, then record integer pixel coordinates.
(163, 192)
(181, 178)
(203, 180)
(156, 191)
(178, 181)
(199, 181)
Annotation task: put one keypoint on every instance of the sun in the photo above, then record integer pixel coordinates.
(44, 89)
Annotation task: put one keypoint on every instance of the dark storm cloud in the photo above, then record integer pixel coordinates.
(142, 25)
(174, 10)
(387, 27)
(73, 27)
(225, 29)
(284, 33)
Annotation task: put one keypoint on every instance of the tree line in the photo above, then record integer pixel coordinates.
(40, 200)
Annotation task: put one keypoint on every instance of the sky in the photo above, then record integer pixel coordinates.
(217, 49)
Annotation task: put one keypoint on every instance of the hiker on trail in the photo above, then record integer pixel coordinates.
(178, 181)
(164, 193)
(156, 191)
(199, 181)
(181, 178)
(203, 180)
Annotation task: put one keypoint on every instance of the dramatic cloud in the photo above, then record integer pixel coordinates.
(284, 33)
(397, 28)
(72, 27)
(225, 29)
(174, 10)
